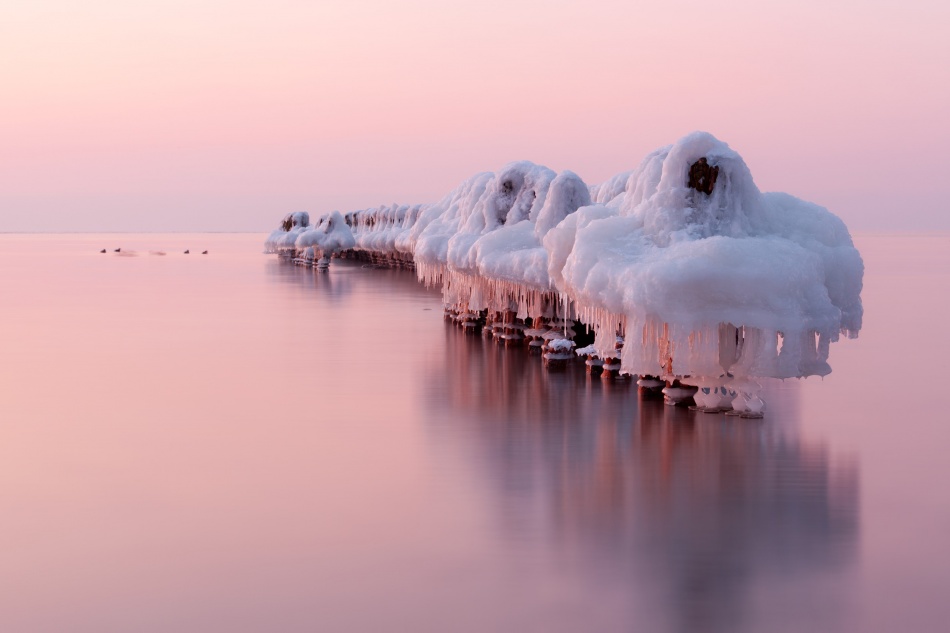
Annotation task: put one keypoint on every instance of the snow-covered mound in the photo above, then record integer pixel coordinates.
(284, 237)
(330, 236)
(706, 276)
(673, 263)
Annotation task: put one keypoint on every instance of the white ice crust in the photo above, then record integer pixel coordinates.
(328, 237)
(735, 282)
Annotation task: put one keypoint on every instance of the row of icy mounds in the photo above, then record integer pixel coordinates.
(666, 262)
(329, 236)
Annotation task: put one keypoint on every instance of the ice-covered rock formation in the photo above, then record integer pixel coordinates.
(680, 269)
(710, 280)
(330, 236)
(284, 237)
(312, 245)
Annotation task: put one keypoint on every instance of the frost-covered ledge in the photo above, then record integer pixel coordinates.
(710, 281)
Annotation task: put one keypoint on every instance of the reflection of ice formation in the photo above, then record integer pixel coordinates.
(701, 520)
(709, 280)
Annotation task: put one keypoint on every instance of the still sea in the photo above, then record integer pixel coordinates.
(228, 443)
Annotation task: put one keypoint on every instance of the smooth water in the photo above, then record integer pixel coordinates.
(222, 442)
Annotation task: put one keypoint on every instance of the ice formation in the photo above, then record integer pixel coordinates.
(711, 281)
(310, 244)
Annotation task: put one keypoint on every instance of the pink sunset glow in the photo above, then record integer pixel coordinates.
(209, 115)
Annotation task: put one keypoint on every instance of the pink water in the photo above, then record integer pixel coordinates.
(220, 442)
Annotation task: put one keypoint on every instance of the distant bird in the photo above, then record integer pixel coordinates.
(103, 251)
(186, 251)
(118, 250)
(204, 252)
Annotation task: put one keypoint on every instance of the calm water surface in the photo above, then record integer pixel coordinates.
(214, 443)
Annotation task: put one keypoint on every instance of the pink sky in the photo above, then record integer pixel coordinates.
(214, 115)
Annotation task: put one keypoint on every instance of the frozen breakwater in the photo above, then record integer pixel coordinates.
(686, 274)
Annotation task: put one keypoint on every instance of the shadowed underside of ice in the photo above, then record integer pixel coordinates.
(704, 275)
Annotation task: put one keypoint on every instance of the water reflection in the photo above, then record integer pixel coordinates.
(333, 286)
(348, 278)
(705, 518)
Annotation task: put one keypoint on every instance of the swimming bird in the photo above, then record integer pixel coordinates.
(103, 251)
(118, 250)
(186, 251)
(204, 252)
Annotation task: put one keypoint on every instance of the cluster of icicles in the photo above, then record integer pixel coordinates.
(711, 283)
